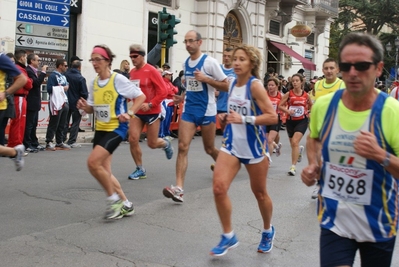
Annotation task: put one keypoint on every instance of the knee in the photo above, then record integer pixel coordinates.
(219, 189)
(92, 164)
(183, 148)
(152, 143)
(260, 195)
(210, 150)
(133, 139)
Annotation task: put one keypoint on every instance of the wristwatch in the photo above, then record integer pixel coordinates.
(249, 120)
(130, 113)
(386, 161)
(150, 105)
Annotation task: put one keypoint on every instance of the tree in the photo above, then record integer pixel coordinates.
(370, 16)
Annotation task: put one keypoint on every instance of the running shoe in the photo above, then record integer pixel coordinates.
(292, 171)
(266, 243)
(138, 174)
(168, 149)
(75, 145)
(50, 146)
(19, 158)
(300, 153)
(113, 209)
(41, 148)
(278, 149)
(315, 192)
(224, 245)
(126, 211)
(62, 146)
(173, 192)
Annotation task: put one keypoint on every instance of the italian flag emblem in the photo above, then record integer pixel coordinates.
(346, 160)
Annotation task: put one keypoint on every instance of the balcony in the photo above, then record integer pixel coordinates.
(325, 8)
(294, 2)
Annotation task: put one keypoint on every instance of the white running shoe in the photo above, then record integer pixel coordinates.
(301, 148)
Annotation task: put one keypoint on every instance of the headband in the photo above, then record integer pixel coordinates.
(137, 52)
(101, 51)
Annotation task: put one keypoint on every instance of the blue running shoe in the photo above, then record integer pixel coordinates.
(168, 149)
(224, 245)
(266, 243)
(138, 174)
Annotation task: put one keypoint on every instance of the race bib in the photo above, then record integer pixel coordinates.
(136, 82)
(274, 106)
(193, 85)
(298, 111)
(102, 112)
(240, 106)
(348, 184)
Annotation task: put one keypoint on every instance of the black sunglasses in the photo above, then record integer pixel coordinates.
(134, 56)
(359, 66)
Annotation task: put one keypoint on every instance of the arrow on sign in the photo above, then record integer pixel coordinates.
(20, 28)
(20, 40)
(65, 20)
(65, 9)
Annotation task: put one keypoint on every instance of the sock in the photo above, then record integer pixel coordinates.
(267, 230)
(166, 144)
(127, 203)
(229, 235)
(114, 197)
(140, 167)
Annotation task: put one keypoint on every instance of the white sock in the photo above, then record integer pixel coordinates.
(127, 203)
(229, 235)
(114, 197)
(267, 230)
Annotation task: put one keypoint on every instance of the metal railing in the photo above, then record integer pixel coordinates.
(329, 5)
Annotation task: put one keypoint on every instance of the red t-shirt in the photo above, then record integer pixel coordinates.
(152, 85)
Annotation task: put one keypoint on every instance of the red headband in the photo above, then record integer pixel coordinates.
(101, 51)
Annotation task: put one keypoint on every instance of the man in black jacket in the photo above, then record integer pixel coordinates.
(77, 89)
(34, 103)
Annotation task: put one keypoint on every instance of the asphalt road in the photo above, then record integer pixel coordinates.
(51, 214)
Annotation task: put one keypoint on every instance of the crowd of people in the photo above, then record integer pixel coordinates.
(352, 151)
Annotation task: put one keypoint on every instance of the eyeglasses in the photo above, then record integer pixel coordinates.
(134, 56)
(96, 60)
(359, 66)
(190, 41)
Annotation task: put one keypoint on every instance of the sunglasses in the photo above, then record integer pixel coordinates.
(359, 66)
(134, 56)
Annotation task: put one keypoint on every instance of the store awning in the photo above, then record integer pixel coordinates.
(306, 63)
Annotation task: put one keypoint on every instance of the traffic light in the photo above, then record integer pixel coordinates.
(163, 26)
(170, 41)
(165, 29)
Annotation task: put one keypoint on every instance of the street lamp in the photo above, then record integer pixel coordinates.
(389, 49)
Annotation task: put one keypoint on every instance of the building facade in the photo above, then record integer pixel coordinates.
(265, 24)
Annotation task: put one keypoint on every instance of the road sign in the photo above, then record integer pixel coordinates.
(42, 18)
(46, 7)
(54, 13)
(41, 42)
(42, 30)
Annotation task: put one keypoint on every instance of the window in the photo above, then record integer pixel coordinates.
(310, 39)
(274, 27)
(163, 2)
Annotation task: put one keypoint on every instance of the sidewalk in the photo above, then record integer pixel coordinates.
(83, 137)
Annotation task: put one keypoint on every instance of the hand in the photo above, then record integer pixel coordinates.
(366, 145)
(177, 99)
(145, 107)
(310, 174)
(200, 76)
(222, 117)
(3, 96)
(66, 87)
(233, 117)
(44, 68)
(124, 117)
(81, 104)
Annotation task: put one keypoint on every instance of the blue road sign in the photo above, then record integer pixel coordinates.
(54, 13)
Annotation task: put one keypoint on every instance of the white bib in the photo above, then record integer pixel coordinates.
(299, 111)
(103, 112)
(348, 184)
(193, 85)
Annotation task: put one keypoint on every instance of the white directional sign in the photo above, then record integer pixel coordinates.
(42, 30)
(41, 42)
